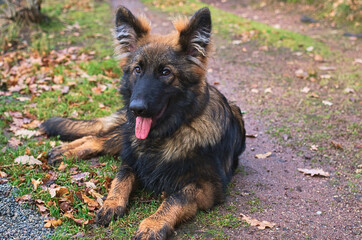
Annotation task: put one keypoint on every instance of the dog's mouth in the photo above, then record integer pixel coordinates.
(143, 124)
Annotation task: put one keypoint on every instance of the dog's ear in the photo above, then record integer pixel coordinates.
(195, 36)
(129, 30)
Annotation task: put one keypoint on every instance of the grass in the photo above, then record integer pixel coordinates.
(230, 26)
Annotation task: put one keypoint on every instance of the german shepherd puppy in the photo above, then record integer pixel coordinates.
(176, 134)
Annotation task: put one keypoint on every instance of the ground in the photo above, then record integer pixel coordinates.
(301, 103)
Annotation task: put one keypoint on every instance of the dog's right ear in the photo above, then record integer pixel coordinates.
(128, 31)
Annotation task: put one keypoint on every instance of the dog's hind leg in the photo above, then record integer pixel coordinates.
(177, 208)
(70, 129)
(87, 147)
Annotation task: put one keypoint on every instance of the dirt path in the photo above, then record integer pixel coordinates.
(271, 189)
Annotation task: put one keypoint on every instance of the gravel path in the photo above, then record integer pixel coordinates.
(17, 222)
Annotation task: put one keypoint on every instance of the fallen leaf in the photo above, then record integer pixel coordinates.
(24, 198)
(313, 172)
(57, 192)
(97, 196)
(327, 68)
(33, 124)
(268, 90)
(314, 148)
(348, 90)
(336, 145)
(3, 174)
(42, 208)
(263, 156)
(24, 133)
(58, 79)
(65, 206)
(236, 42)
(314, 95)
(70, 215)
(318, 58)
(300, 73)
(326, 76)
(52, 223)
(309, 49)
(328, 103)
(36, 183)
(89, 201)
(27, 160)
(357, 60)
(251, 135)
(62, 166)
(79, 176)
(254, 222)
(305, 90)
(90, 185)
(14, 142)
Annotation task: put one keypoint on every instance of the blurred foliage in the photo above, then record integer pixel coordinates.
(22, 11)
(336, 10)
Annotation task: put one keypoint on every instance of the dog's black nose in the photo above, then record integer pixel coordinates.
(138, 107)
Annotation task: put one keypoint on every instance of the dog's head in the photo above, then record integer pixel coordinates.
(162, 72)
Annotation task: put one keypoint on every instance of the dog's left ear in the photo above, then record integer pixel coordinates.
(195, 36)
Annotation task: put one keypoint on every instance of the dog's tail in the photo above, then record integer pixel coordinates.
(70, 129)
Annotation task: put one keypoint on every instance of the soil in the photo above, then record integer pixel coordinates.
(301, 206)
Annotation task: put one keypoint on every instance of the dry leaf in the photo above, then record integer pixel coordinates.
(58, 79)
(253, 222)
(89, 201)
(301, 74)
(313, 172)
(79, 176)
(23, 198)
(62, 166)
(3, 174)
(90, 185)
(305, 90)
(328, 103)
(59, 191)
(27, 160)
(314, 148)
(263, 156)
(251, 135)
(337, 145)
(70, 215)
(42, 208)
(52, 223)
(36, 183)
(98, 196)
(14, 142)
(33, 124)
(24, 133)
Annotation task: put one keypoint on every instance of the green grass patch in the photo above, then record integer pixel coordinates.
(228, 25)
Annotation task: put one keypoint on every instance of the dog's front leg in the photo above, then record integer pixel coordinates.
(117, 199)
(178, 207)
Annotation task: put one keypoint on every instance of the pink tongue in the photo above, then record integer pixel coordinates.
(143, 126)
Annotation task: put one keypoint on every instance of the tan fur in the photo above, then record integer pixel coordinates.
(202, 131)
(119, 192)
(170, 215)
(82, 148)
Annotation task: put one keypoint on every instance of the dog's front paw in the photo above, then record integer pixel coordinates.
(56, 155)
(109, 211)
(153, 229)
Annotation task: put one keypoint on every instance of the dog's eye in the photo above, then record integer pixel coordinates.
(165, 72)
(137, 69)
